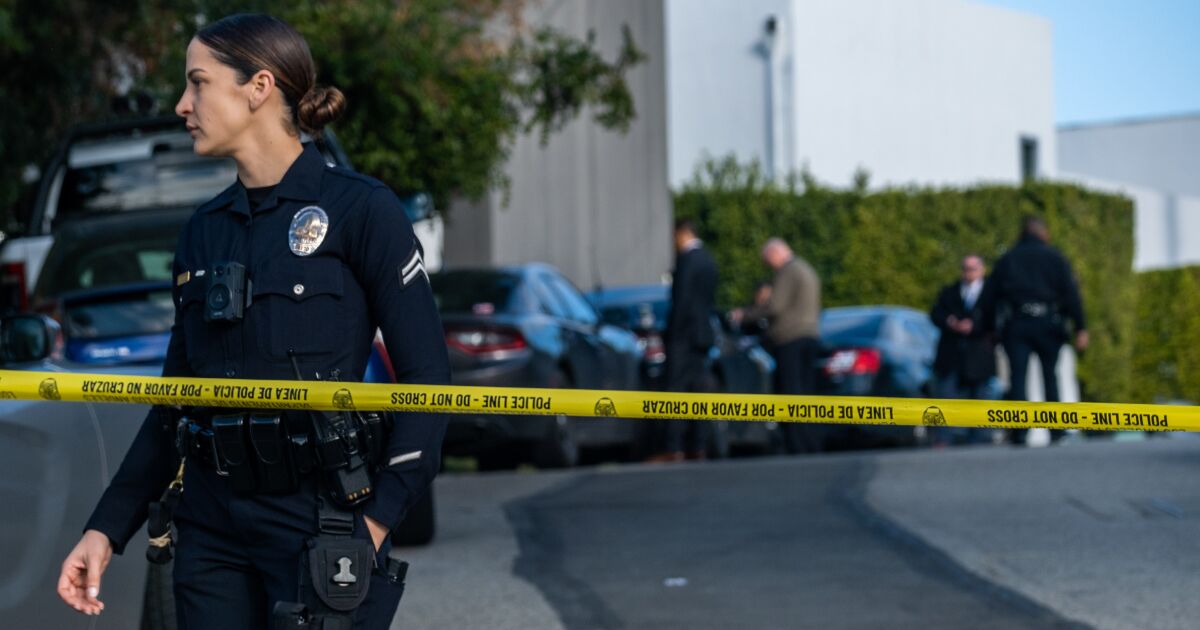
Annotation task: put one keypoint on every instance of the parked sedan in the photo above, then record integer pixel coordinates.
(875, 351)
(737, 363)
(528, 326)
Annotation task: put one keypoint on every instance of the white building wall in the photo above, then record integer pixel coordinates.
(1156, 162)
(1158, 153)
(913, 91)
(717, 83)
(594, 203)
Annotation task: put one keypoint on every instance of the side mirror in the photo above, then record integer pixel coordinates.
(28, 338)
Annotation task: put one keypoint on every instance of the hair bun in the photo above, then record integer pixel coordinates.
(320, 106)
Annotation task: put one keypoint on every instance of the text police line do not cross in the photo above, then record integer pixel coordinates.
(244, 393)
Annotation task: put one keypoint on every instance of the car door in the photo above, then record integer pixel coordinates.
(56, 458)
(611, 345)
(578, 356)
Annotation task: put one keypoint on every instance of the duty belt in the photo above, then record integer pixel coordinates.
(1036, 309)
(255, 451)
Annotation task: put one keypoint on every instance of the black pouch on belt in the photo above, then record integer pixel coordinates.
(229, 433)
(272, 464)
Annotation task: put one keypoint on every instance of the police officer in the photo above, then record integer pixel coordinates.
(1034, 293)
(286, 274)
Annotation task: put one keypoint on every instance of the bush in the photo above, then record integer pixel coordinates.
(1166, 360)
(900, 246)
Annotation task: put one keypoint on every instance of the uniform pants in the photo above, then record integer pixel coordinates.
(1040, 336)
(237, 556)
(796, 374)
(686, 372)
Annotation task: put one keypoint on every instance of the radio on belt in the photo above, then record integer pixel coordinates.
(227, 294)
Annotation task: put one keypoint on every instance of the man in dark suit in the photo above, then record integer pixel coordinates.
(689, 336)
(966, 358)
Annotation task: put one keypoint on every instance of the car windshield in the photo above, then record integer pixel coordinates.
(99, 262)
(477, 292)
(145, 172)
(846, 326)
(120, 315)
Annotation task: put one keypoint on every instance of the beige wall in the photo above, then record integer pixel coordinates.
(592, 202)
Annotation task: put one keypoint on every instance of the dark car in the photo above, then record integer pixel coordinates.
(737, 362)
(528, 326)
(875, 351)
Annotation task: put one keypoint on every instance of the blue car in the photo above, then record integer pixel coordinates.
(875, 351)
(528, 326)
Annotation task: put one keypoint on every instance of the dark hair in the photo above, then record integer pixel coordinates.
(250, 42)
(686, 225)
(1033, 225)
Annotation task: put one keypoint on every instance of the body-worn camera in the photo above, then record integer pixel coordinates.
(228, 293)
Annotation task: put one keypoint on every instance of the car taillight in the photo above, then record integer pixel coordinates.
(484, 340)
(13, 292)
(853, 361)
(651, 344)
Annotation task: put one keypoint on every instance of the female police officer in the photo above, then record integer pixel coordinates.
(323, 257)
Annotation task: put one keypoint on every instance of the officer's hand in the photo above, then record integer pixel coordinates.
(1081, 341)
(379, 533)
(79, 583)
(736, 316)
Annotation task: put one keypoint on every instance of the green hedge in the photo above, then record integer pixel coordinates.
(1166, 361)
(899, 246)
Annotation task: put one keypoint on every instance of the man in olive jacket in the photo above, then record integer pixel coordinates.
(792, 310)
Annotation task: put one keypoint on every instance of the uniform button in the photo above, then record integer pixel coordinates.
(230, 373)
(298, 289)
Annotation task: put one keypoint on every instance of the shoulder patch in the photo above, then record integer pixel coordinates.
(413, 268)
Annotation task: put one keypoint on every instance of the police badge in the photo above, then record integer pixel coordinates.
(308, 229)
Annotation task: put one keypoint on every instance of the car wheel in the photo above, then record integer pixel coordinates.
(559, 448)
(158, 605)
(418, 525)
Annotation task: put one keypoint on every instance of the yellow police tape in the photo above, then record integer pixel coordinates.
(107, 388)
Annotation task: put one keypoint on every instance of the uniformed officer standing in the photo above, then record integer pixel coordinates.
(322, 257)
(1033, 292)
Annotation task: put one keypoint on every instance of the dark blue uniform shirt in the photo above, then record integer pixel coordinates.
(324, 308)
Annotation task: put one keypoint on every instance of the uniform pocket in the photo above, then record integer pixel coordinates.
(302, 304)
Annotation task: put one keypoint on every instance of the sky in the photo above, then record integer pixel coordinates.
(1120, 59)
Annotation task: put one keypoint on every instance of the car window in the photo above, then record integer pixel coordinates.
(478, 292)
(578, 308)
(110, 264)
(120, 315)
(549, 302)
(848, 326)
(140, 173)
(920, 334)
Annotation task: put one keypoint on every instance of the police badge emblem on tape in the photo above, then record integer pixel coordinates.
(309, 226)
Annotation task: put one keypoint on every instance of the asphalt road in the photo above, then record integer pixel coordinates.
(1095, 534)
